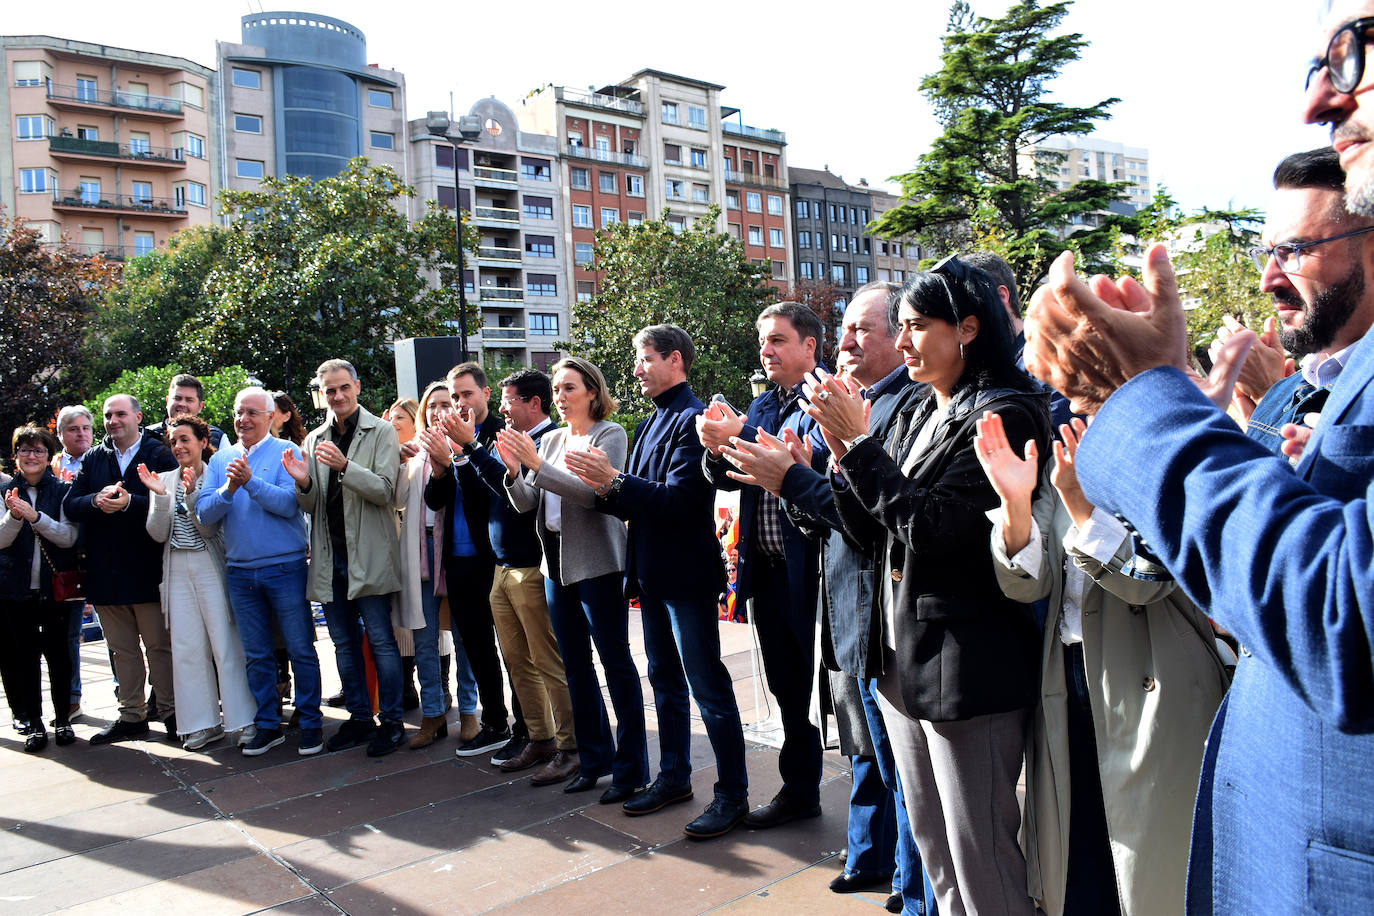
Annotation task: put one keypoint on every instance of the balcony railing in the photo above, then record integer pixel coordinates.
(757, 133)
(502, 293)
(108, 252)
(491, 253)
(166, 155)
(503, 335)
(750, 178)
(153, 206)
(496, 214)
(597, 100)
(487, 173)
(115, 98)
(606, 155)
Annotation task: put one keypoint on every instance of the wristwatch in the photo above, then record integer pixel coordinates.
(613, 487)
(859, 438)
(470, 447)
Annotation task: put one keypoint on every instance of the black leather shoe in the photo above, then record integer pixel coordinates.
(848, 882)
(894, 903)
(580, 783)
(36, 740)
(616, 794)
(65, 735)
(783, 809)
(657, 797)
(387, 737)
(353, 733)
(171, 723)
(120, 731)
(336, 701)
(720, 817)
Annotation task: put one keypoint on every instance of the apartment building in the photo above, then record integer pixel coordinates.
(298, 97)
(108, 147)
(1068, 160)
(831, 238)
(509, 186)
(894, 260)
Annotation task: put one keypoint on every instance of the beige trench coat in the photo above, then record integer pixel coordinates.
(407, 611)
(1156, 681)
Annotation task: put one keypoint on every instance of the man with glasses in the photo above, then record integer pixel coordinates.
(249, 492)
(1283, 560)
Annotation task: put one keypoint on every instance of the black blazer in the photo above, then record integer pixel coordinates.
(440, 492)
(513, 538)
(963, 649)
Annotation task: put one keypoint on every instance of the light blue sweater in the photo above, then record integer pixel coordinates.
(262, 522)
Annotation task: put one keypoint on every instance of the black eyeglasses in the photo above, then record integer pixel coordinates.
(1344, 60)
(951, 268)
(1289, 254)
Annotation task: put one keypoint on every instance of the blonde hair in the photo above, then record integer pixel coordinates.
(422, 408)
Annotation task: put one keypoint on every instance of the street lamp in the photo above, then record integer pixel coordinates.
(758, 382)
(469, 127)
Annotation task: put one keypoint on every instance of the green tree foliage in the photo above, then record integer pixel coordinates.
(991, 96)
(47, 293)
(699, 280)
(149, 385)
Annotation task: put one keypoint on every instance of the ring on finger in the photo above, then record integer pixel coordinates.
(822, 395)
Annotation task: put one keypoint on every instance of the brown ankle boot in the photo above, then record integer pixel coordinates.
(468, 727)
(432, 728)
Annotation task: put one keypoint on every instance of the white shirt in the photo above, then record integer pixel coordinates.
(1321, 371)
(553, 503)
(124, 457)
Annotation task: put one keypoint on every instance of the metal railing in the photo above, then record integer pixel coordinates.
(492, 253)
(499, 214)
(115, 98)
(505, 335)
(155, 205)
(750, 178)
(597, 100)
(502, 293)
(758, 133)
(487, 173)
(606, 155)
(135, 151)
(109, 252)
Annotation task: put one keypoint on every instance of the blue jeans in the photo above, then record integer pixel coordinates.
(256, 595)
(682, 640)
(909, 879)
(462, 669)
(347, 619)
(594, 610)
(427, 643)
(78, 610)
(872, 822)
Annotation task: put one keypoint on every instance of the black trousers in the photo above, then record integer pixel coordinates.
(29, 629)
(1091, 885)
(469, 605)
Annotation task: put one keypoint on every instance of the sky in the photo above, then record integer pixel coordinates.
(1212, 88)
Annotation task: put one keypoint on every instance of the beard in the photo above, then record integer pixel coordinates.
(1324, 316)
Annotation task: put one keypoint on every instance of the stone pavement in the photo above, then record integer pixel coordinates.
(146, 827)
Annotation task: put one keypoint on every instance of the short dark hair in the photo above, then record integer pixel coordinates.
(199, 428)
(475, 370)
(806, 322)
(32, 434)
(529, 384)
(665, 338)
(894, 299)
(182, 380)
(1317, 168)
(1001, 274)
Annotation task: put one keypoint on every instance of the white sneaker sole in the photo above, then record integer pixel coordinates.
(259, 751)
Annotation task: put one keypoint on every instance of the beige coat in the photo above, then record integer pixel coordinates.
(159, 525)
(407, 611)
(369, 497)
(1156, 682)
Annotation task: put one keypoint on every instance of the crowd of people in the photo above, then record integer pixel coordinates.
(931, 543)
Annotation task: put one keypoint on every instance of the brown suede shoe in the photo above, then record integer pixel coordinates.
(468, 727)
(532, 754)
(558, 769)
(432, 728)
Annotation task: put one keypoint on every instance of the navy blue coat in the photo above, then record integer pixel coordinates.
(512, 534)
(1285, 561)
(440, 493)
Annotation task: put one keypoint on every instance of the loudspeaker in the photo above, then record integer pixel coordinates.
(421, 360)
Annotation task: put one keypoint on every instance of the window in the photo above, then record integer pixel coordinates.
(582, 252)
(753, 201)
(609, 216)
(734, 230)
(139, 143)
(805, 268)
(536, 169)
(897, 249)
(538, 207)
(28, 73)
(775, 238)
(884, 275)
(32, 127)
(585, 291)
(541, 285)
(179, 196)
(574, 138)
(837, 274)
(634, 218)
(539, 246)
(774, 205)
(580, 179)
(247, 124)
(835, 242)
(833, 217)
(634, 185)
(676, 224)
(803, 240)
(755, 235)
(247, 79)
(860, 274)
(381, 140)
(670, 113)
(854, 215)
(732, 200)
(863, 215)
(779, 270)
(195, 146)
(854, 244)
(698, 159)
(248, 168)
(141, 192)
(803, 210)
(543, 324)
(88, 133)
(696, 117)
(897, 276)
(603, 144)
(868, 245)
(606, 181)
(34, 181)
(195, 193)
(582, 216)
(673, 189)
(143, 243)
(701, 194)
(189, 93)
(378, 98)
(86, 89)
(672, 154)
(89, 189)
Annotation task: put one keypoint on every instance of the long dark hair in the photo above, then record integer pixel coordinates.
(291, 428)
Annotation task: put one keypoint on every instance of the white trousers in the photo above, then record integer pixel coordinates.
(207, 656)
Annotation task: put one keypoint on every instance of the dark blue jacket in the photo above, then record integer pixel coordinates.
(16, 560)
(1285, 402)
(123, 562)
(441, 491)
(672, 551)
(512, 534)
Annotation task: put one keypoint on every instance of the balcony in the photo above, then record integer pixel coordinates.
(499, 294)
(501, 215)
(597, 100)
(75, 148)
(80, 98)
(605, 155)
(504, 337)
(756, 133)
(485, 174)
(157, 207)
(498, 257)
(758, 181)
(108, 252)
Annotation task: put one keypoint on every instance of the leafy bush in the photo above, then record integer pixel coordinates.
(149, 385)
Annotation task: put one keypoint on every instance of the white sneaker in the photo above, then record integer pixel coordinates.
(246, 735)
(198, 739)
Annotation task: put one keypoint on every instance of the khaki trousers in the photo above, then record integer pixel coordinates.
(521, 615)
(124, 625)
